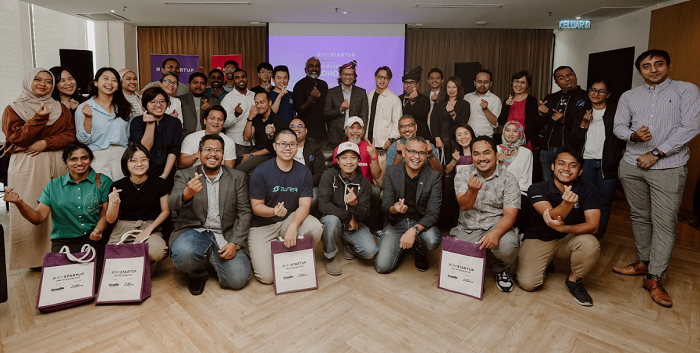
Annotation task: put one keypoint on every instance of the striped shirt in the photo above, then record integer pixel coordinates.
(671, 111)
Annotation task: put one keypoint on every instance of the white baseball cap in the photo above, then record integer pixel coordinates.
(353, 119)
(348, 146)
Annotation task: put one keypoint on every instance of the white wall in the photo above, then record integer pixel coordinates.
(632, 30)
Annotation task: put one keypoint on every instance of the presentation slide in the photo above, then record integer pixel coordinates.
(371, 46)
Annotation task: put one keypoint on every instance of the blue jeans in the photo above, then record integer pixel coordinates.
(390, 244)
(359, 242)
(593, 173)
(190, 252)
(546, 160)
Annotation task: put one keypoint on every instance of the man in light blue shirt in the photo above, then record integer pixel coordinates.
(408, 128)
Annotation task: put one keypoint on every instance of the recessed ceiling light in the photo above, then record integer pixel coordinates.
(578, 17)
(255, 22)
(112, 11)
(345, 12)
(458, 6)
(481, 23)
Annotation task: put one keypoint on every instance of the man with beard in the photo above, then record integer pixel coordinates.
(412, 200)
(230, 67)
(213, 220)
(280, 195)
(436, 93)
(310, 154)
(261, 125)
(194, 104)
(489, 199)
(345, 197)
(238, 104)
(570, 212)
(657, 120)
(309, 98)
(216, 92)
(414, 104)
(561, 112)
(485, 106)
(213, 123)
(342, 102)
(170, 65)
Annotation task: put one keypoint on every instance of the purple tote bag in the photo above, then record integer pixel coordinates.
(67, 279)
(126, 274)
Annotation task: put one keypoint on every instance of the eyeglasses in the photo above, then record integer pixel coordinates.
(381, 77)
(137, 161)
(230, 69)
(292, 126)
(265, 71)
(407, 125)
(519, 83)
(422, 154)
(170, 67)
(157, 102)
(211, 149)
(169, 82)
(595, 91)
(284, 145)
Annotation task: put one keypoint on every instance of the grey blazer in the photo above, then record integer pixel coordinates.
(428, 193)
(332, 114)
(189, 113)
(234, 205)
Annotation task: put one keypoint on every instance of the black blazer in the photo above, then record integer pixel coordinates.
(314, 159)
(612, 147)
(428, 193)
(442, 95)
(331, 111)
(419, 111)
(442, 124)
(532, 120)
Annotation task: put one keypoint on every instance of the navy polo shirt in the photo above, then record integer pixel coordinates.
(548, 191)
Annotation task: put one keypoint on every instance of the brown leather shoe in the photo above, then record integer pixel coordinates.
(658, 293)
(633, 269)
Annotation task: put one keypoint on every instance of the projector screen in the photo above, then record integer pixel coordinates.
(371, 45)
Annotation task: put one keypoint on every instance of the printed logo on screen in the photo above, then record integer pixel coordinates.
(574, 24)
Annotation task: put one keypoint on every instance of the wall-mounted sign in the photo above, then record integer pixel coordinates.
(574, 24)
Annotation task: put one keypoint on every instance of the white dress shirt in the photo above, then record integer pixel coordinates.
(477, 118)
(234, 125)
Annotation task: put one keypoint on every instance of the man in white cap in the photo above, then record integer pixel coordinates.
(344, 200)
(369, 165)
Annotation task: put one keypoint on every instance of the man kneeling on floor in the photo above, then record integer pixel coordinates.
(489, 199)
(344, 199)
(213, 219)
(570, 211)
(412, 200)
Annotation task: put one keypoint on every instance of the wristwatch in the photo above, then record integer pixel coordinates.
(656, 153)
(416, 229)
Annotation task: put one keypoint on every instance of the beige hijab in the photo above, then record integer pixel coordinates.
(28, 103)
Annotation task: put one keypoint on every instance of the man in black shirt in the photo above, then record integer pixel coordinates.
(561, 111)
(414, 104)
(570, 212)
(309, 99)
(261, 125)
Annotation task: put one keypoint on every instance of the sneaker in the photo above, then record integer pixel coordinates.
(503, 281)
(579, 292)
(196, 285)
(377, 234)
(551, 269)
(333, 267)
(347, 255)
(421, 260)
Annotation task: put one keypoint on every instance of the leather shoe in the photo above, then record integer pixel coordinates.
(633, 269)
(658, 293)
(421, 260)
(196, 285)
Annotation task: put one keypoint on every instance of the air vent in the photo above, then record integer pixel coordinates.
(103, 17)
(458, 6)
(608, 12)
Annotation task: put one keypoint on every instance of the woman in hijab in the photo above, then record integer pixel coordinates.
(38, 128)
(517, 159)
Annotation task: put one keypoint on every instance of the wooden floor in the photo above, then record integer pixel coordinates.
(365, 311)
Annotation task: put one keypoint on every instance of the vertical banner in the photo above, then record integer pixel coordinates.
(188, 65)
(218, 61)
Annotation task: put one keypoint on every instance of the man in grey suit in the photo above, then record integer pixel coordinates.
(213, 220)
(195, 104)
(342, 102)
(412, 200)
(436, 93)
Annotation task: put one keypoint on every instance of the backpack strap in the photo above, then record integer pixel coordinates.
(98, 181)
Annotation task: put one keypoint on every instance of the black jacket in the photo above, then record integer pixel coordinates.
(332, 191)
(612, 147)
(419, 111)
(532, 120)
(428, 194)
(558, 133)
(441, 123)
(314, 159)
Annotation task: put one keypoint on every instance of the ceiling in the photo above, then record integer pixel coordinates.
(513, 14)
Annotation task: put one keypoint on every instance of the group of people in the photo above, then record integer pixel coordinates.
(214, 172)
